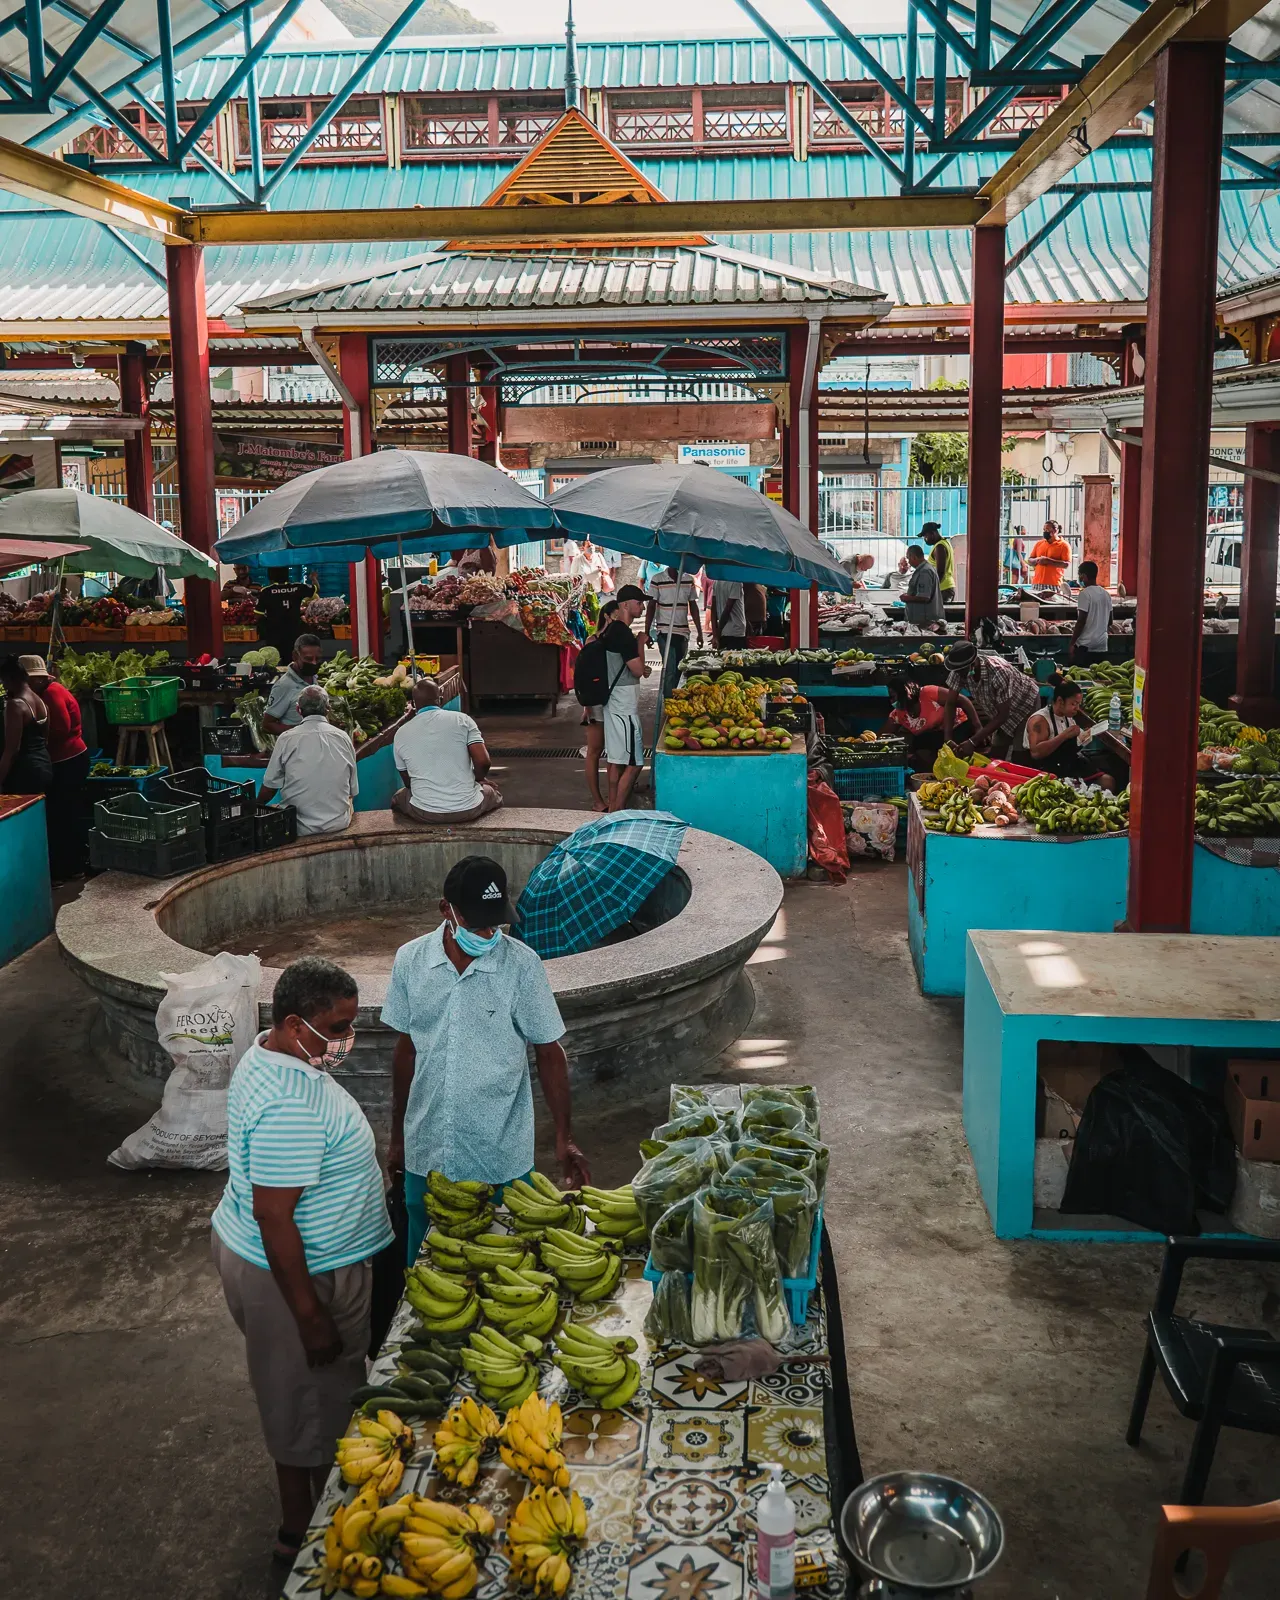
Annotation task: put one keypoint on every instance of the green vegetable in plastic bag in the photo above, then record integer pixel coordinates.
(668, 1319)
(676, 1172)
(795, 1208)
(735, 1265)
(769, 1098)
(671, 1242)
(692, 1125)
(794, 1143)
(685, 1098)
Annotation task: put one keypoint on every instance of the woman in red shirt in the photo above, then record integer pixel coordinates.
(67, 813)
(919, 713)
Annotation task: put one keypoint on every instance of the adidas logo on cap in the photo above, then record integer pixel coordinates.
(492, 892)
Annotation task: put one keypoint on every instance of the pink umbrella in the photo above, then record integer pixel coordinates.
(16, 553)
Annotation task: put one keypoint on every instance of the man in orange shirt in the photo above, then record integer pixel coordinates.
(1051, 558)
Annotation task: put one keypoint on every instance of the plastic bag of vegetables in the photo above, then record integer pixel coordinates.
(784, 1143)
(677, 1171)
(671, 1242)
(795, 1208)
(779, 1108)
(735, 1268)
(693, 1125)
(668, 1320)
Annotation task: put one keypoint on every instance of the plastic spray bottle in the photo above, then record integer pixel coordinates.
(775, 1541)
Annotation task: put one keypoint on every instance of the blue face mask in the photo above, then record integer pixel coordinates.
(471, 944)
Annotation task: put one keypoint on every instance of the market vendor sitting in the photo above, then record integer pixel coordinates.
(442, 762)
(313, 768)
(282, 702)
(1056, 736)
(1002, 697)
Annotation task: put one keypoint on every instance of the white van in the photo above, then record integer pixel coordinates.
(1222, 556)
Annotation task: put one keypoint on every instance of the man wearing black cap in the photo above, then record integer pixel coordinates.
(623, 736)
(467, 1002)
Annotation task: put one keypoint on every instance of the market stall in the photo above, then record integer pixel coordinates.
(24, 875)
(535, 1362)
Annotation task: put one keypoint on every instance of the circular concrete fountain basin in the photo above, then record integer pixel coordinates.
(653, 1007)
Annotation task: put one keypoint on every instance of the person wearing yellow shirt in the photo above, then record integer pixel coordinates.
(943, 558)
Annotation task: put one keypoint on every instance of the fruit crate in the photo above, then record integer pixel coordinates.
(139, 819)
(234, 634)
(152, 858)
(224, 841)
(796, 1290)
(274, 826)
(221, 799)
(227, 739)
(866, 783)
(140, 700)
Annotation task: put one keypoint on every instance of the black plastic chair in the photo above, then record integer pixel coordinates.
(1220, 1377)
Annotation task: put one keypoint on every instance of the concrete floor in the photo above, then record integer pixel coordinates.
(134, 1457)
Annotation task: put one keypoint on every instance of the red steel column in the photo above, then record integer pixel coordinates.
(365, 577)
(1175, 482)
(1255, 697)
(800, 470)
(193, 428)
(136, 402)
(986, 396)
(457, 405)
(1130, 494)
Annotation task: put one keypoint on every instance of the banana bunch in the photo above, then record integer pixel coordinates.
(542, 1533)
(462, 1439)
(537, 1205)
(446, 1254)
(598, 1367)
(615, 1215)
(425, 1376)
(530, 1442)
(957, 813)
(1243, 806)
(489, 1250)
(444, 1304)
(520, 1301)
(504, 1372)
(584, 1266)
(356, 1545)
(374, 1454)
(933, 793)
(462, 1209)
(438, 1548)
(1054, 806)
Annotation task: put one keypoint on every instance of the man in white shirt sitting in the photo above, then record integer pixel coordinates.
(442, 763)
(313, 768)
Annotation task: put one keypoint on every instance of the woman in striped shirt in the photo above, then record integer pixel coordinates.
(301, 1217)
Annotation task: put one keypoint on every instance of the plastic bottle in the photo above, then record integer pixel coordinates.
(775, 1541)
(1115, 716)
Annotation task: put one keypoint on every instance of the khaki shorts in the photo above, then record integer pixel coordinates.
(303, 1409)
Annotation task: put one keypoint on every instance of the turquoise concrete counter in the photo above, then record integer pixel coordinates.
(760, 801)
(24, 875)
(957, 883)
(1144, 989)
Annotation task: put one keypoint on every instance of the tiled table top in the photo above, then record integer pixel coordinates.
(670, 1482)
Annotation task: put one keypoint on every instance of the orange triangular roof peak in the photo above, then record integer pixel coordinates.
(573, 164)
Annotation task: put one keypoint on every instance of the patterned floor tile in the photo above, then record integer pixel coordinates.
(670, 1570)
(695, 1439)
(687, 1505)
(594, 1437)
(676, 1383)
(790, 1435)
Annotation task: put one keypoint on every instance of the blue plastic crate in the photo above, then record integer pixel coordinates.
(866, 783)
(797, 1290)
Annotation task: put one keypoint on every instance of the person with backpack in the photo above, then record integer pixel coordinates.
(593, 720)
(605, 675)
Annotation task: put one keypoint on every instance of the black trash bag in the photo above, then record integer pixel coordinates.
(1151, 1149)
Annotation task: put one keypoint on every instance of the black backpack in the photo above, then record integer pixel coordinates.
(591, 674)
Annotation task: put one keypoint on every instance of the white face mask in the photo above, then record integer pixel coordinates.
(335, 1050)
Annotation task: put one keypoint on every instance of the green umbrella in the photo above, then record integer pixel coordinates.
(117, 539)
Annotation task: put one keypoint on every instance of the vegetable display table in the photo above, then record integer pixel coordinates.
(24, 875)
(671, 1480)
(1144, 989)
(1011, 878)
(760, 801)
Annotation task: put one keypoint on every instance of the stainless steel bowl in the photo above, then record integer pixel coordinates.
(921, 1531)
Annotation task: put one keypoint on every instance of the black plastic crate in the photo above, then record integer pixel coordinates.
(221, 799)
(274, 826)
(224, 841)
(227, 739)
(153, 858)
(138, 818)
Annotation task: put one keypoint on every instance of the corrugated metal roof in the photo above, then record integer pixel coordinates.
(59, 267)
(476, 65)
(647, 276)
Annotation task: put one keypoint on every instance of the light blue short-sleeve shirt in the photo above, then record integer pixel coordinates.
(290, 1126)
(470, 1111)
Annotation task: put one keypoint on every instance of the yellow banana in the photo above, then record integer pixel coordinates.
(463, 1587)
(402, 1588)
(365, 1588)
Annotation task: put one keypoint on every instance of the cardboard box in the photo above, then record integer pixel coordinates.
(1254, 1118)
(1068, 1072)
